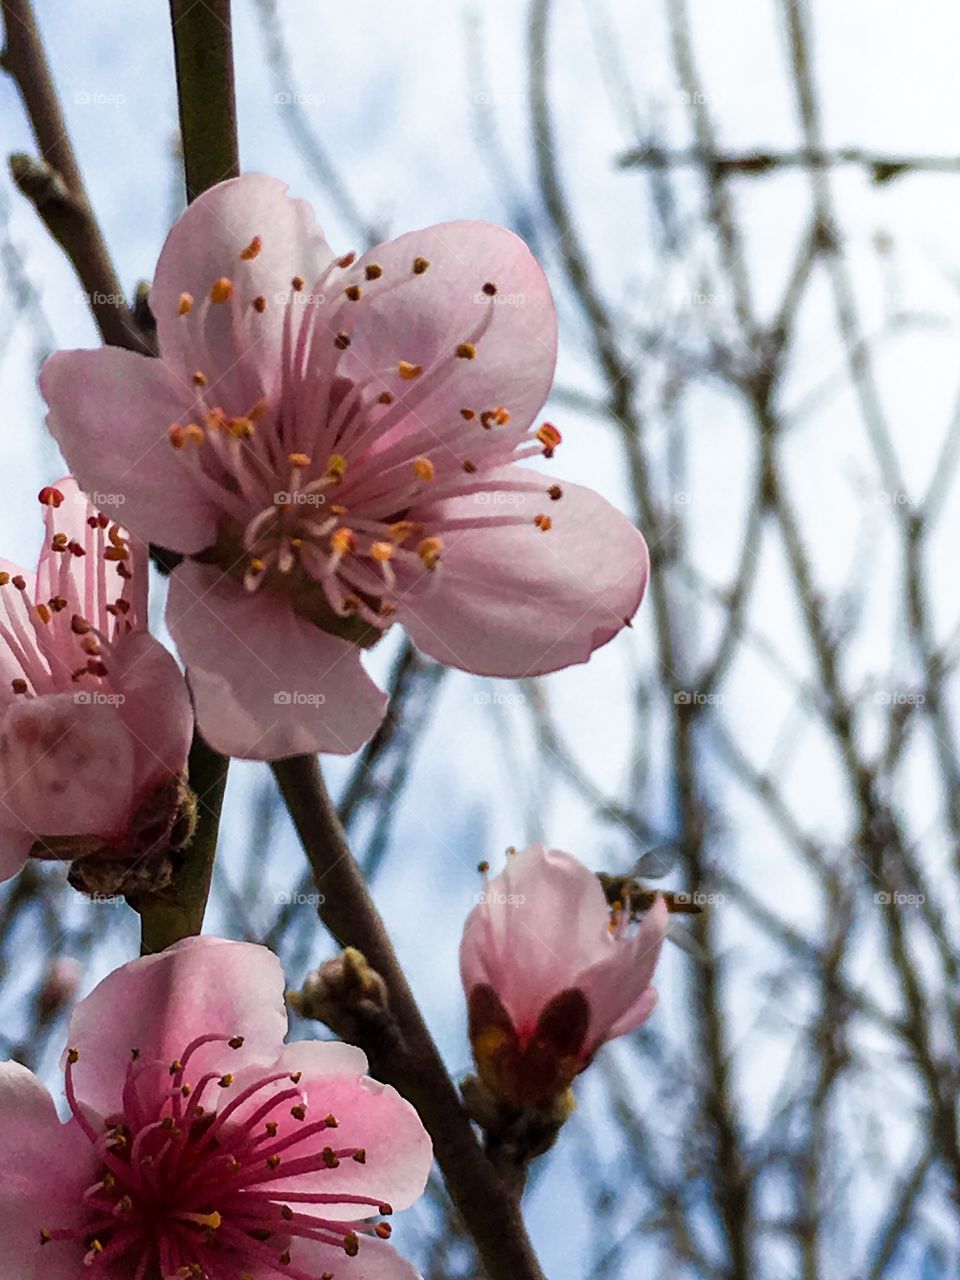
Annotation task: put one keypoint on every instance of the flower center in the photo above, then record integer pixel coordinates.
(192, 1186)
(334, 491)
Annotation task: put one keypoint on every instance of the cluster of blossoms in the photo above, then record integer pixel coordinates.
(325, 447)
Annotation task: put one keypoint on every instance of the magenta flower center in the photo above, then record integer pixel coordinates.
(333, 493)
(191, 1185)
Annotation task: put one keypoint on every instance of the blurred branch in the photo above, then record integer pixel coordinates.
(54, 184)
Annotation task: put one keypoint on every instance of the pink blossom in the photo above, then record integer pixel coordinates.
(332, 443)
(550, 975)
(198, 1144)
(95, 717)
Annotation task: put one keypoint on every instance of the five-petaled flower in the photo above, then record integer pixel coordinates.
(332, 445)
(95, 717)
(200, 1147)
(550, 974)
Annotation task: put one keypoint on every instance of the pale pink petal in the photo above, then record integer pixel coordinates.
(425, 319)
(44, 1168)
(156, 706)
(111, 412)
(236, 347)
(369, 1115)
(516, 601)
(266, 683)
(375, 1260)
(618, 986)
(159, 1004)
(65, 765)
(544, 920)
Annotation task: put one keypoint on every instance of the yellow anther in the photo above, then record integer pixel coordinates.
(259, 303)
(423, 469)
(549, 437)
(543, 523)
(185, 305)
(296, 284)
(241, 428)
(298, 459)
(429, 551)
(353, 292)
(382, 551)
(221, 290)
(199, 379)
(400, 530)
(342, 541)
(408, 372)
(252, 250)
(373, 271)
(466, 351)
(420, 265)
(336, 466)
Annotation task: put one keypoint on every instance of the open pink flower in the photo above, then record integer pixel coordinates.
(199, 1145)
(95, 717)
(549, 974)
(332, 445)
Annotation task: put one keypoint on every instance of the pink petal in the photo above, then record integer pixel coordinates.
(44, 1168)
(516, 601)
(543, 921)
(159, 1004)
(266, 683)
(237, 348)
(374, 1116)
(618, 986)
(66, 767)
(156, 707)
(110, 412)
(375, 1260)
(425, 319)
